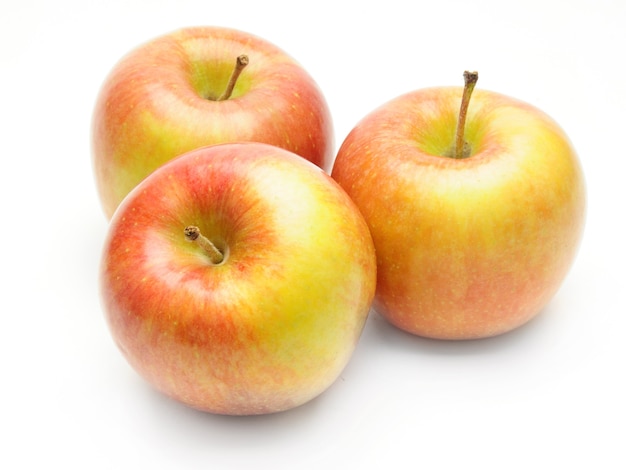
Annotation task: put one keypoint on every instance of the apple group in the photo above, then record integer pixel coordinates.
(243, 255)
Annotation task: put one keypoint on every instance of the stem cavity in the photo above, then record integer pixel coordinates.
(241, 63)
(193, 234)
(461, 148)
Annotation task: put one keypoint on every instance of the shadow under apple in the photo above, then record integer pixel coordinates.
(540, 329)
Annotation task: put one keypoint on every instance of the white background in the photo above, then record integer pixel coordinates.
(549, 395)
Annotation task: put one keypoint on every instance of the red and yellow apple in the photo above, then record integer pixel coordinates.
(467, 247)
(171, 95)
(237, 279)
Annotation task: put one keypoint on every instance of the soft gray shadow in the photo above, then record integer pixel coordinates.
(389, 336)
(229, 431)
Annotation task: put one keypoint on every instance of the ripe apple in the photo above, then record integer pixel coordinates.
(237, 278)
(476, 210)
(196, 87)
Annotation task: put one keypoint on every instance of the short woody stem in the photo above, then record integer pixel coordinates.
(192, 234)
(241, 63)
(460, 146)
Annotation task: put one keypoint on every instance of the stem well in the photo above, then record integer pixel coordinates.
(193, 234)
(242, 62)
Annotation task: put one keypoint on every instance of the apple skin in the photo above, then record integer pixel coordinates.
(466, 248)
(272, 326)
(154, 106)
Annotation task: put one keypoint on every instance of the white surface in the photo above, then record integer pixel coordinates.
(550, 395)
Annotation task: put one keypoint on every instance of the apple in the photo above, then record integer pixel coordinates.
(196, 87)
(476, 208)
(237, 279)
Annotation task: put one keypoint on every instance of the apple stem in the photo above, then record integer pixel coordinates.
(461, 147)
(193, 234)
(241, 63)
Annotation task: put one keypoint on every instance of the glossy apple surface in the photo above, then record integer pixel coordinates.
(160, 101)
(467, 248)
(272, 325)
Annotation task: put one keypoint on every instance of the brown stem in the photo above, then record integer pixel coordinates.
(241, 63)
(192, 234)
(461, 148)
